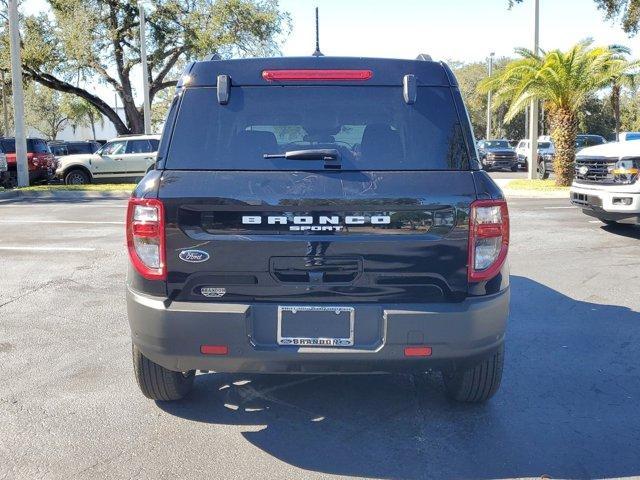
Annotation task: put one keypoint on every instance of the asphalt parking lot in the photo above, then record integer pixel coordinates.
(70, 408)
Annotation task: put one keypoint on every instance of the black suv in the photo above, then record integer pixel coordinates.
(313, 215)
(60, 148)
(497, 155)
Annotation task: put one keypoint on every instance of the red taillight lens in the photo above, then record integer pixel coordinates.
(145, 237)
(488, 238)
(317, 75)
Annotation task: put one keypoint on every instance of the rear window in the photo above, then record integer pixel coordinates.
(544, 145)
(37, 146)
(8, 146)
(371, 127)
(77, 148)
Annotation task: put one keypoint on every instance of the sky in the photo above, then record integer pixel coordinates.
(465, 30)
(462, 30)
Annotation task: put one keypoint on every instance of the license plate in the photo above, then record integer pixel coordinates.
(315, 326)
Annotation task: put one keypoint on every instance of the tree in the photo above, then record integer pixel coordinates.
(630, 112)
(81, 114)
(469, 75)
(596, 116)
(624, 73)
(627, 11)
(564, 81)
(44, 110)
(99, 39)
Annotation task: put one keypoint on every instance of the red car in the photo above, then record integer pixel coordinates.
(41, 161)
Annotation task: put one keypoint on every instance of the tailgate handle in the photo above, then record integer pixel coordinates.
(315, 270)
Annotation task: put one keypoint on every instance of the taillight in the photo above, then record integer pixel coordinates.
(317, 75)
(145, 237)
(488, 238)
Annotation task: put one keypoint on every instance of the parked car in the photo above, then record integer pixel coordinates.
(40, 161)
(61, 148)
(124, 158)
(497, 155)
(362, 237)
(544, 147)
(606, 184)
(628, 136)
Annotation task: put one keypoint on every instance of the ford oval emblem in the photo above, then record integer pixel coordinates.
(193, 256)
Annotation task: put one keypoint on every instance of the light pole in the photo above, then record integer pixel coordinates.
(18, 97)
(488, 135)
(533, 119)
(145, 71)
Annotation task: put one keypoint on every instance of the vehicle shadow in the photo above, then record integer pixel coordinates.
(624, 230)
(568, 406)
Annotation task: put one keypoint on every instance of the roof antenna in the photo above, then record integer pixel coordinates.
(317, 53)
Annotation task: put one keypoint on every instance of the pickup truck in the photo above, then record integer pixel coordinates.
(606, 183)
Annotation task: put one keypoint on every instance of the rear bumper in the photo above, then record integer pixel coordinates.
(171, 335)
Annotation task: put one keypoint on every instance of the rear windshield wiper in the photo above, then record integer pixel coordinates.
(327, 154)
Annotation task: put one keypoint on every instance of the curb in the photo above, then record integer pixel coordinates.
(65, 194)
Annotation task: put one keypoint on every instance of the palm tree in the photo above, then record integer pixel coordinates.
(624, 73)
(564, 81)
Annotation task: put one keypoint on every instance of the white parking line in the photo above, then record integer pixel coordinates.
(48, 249)
(557, 208)
(74, 222)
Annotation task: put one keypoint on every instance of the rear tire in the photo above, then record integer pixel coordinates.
(159, 383)
(476, 384)
(76, 177)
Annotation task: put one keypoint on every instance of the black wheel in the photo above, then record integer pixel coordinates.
(478, 383)
(515, 168)
(543, 174)
(158, 383)
(76, 177)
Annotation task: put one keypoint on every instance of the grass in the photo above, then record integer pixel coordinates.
(537, 185)
(91, 187)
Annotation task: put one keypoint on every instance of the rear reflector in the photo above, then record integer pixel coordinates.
(214, 349)
(317, 75)
(417, 351)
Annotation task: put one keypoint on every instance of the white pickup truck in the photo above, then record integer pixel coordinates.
(606, 184)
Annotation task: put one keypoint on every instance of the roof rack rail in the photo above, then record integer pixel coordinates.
(212, 56)
(424, 57)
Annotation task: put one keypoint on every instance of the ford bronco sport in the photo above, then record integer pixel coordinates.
(318, 215)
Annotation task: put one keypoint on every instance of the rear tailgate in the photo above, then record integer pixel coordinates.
(286, 236)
